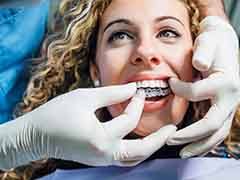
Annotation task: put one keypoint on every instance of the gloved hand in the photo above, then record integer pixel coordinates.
(66, 128)
(216, 56)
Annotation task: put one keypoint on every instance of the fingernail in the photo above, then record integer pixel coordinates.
(172, 127)
(200, 65)
(186, 154)
(132, 84)
(141, 93)
(169, 127)
(172, 80)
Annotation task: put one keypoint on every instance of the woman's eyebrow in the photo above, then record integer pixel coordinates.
(162, 18)
(124, 21)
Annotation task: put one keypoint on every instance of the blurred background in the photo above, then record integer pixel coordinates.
(233, 11)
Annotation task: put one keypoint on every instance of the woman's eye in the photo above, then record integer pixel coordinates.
(168, 34)
(119, 36)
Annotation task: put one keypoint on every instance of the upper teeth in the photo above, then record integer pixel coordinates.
(152, 84)
(154, 88)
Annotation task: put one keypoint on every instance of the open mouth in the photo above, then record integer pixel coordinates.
(155, 90)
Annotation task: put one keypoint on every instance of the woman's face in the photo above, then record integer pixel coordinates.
(146, 41)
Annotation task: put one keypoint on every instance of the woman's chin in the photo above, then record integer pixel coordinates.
(145, 129)
(143, 132)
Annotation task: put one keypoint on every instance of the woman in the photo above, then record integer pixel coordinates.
(144, 42)
(130, 50)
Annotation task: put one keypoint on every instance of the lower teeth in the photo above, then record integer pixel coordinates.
(156, 92)
(157, 98)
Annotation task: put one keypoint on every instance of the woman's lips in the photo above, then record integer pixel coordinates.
(151, 106)
(142, 77)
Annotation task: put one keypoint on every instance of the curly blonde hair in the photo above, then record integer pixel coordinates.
(64, 65)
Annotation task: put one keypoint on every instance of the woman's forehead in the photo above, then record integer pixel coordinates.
(145, 9)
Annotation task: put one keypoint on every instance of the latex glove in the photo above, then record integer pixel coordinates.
(66, 128)
(216, 56)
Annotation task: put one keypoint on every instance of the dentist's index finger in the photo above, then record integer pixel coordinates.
(109, 95)
(200, 90)
(127, 122)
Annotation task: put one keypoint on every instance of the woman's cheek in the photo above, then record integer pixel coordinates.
(179, 108)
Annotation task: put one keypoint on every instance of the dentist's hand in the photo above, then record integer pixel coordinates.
(67, 128)
(216, 56)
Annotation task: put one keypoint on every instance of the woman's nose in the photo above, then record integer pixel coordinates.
(146, 54)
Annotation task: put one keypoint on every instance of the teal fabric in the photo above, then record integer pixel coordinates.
(233, 11)
(21, 33)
